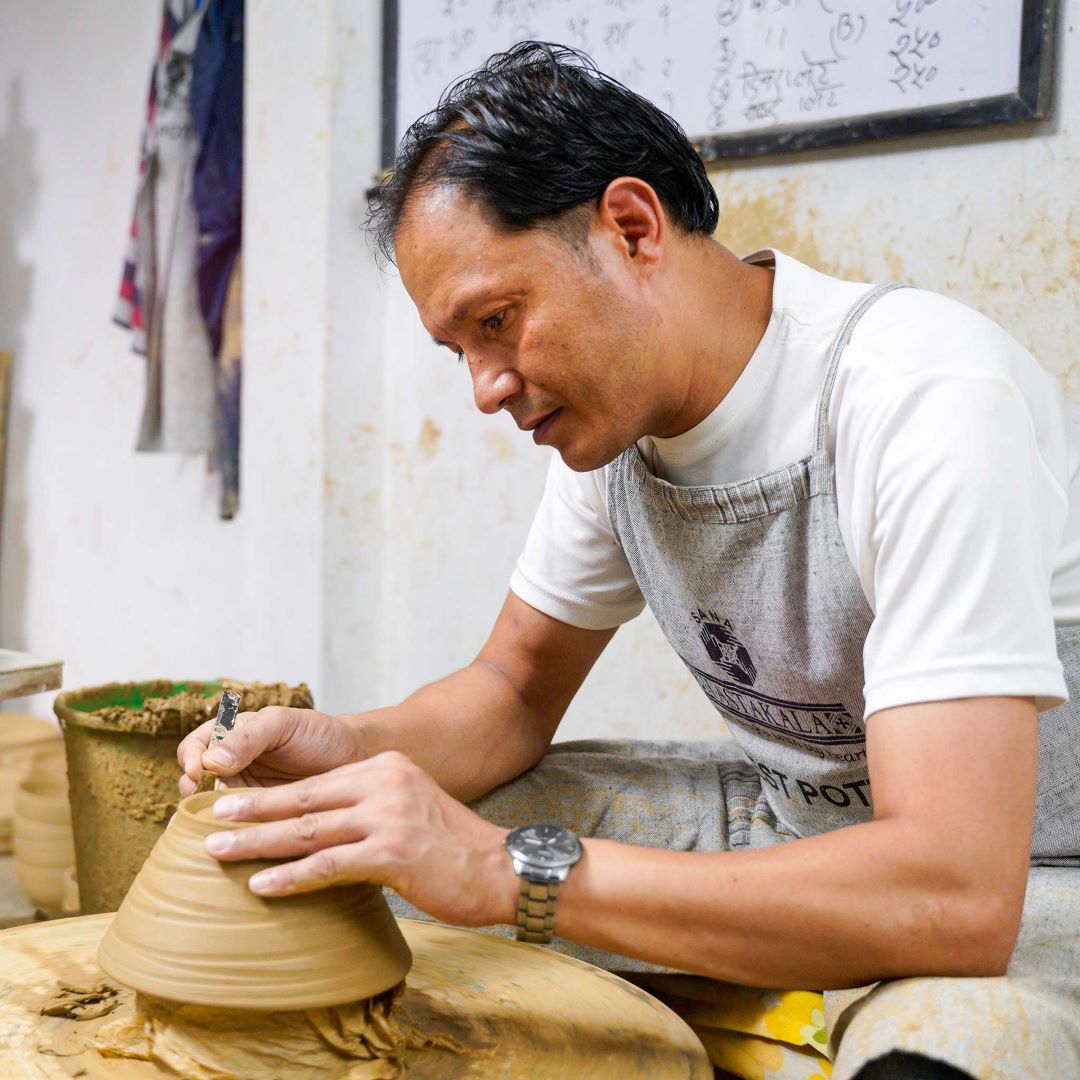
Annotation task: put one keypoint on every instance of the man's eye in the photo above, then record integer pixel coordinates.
(493, 322)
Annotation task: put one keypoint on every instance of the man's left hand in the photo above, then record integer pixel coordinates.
(382, 820)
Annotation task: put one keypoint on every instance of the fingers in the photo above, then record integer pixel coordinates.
(241, 746)
(332, 790)
(190, 751)
(331, 866)
(329, 791)
(302, 835)
(255, 733)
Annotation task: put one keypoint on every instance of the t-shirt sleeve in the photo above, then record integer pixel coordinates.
(573, 568)
(957, 512)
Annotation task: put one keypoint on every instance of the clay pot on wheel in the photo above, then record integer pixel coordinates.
(191, 930)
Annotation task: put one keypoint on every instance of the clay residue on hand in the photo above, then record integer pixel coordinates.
(361, 1041)
(185, 711)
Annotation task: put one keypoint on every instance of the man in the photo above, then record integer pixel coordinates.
(854, 513)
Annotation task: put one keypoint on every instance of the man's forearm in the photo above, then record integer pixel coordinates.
(471, 731)
(863, 903)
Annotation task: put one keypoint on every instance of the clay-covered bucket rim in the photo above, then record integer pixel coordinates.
(75, 707)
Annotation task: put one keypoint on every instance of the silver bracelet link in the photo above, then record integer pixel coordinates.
(536, 910)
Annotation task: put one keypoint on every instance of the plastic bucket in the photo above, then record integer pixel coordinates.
(122, 770)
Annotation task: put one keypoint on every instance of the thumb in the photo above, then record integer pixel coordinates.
(255, 734)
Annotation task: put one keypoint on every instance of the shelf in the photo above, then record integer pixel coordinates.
(21, 674)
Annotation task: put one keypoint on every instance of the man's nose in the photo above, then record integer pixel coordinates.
(494, 384)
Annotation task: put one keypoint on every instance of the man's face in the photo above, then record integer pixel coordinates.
(559, 340)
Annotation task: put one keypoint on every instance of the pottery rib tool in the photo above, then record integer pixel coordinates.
(223, 724)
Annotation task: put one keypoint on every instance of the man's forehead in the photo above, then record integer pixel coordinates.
(451, 257)
(433, 212)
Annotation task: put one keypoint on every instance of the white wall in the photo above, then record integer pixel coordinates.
(380, 513)
(989, 217)
(116, 561)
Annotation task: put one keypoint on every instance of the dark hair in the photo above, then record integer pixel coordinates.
(535, 132)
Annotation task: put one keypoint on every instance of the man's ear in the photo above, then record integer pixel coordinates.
(631, 212)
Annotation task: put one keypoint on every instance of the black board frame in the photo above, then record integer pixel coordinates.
(1031, 101)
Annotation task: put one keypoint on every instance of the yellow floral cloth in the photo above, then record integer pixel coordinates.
(750, 1033)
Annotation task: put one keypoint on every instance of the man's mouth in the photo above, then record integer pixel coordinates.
(541, 428)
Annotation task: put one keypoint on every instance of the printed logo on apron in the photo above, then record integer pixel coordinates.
(724, 648)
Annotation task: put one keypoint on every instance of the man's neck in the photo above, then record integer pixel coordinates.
(721, 308)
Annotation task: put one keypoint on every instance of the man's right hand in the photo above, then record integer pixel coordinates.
(275, 745)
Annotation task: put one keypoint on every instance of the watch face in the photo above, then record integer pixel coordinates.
(544, 845)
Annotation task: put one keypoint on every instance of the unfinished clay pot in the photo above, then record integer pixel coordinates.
(191, 930)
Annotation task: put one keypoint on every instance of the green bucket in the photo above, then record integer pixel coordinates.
(121, 744)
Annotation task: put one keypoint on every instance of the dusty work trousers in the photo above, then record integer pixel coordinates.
(705, 796)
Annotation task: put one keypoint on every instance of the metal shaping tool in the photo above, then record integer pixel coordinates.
(223, 724)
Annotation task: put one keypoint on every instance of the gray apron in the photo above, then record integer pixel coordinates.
(751, 585)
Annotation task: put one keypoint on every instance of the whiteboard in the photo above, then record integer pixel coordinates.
(732, 71)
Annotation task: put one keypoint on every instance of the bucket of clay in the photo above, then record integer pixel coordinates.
(121, 744)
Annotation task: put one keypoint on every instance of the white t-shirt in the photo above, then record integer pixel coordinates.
(956, 481)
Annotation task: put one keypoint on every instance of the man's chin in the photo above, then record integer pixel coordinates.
(584, 459)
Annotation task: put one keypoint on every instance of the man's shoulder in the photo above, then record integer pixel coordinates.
(916, 330)
(912, 329)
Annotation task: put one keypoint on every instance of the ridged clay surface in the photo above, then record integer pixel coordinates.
(191, 930)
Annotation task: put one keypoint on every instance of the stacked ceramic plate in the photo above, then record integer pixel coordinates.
(23, 741)
(44, 844)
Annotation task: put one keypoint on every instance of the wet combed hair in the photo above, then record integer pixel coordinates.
(536, 132)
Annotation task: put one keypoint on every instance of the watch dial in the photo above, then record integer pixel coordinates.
(546, 845)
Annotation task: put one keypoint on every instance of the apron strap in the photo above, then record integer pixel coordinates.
(843, 336)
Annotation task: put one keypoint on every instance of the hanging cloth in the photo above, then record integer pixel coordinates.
(158, 293)
(217, 111)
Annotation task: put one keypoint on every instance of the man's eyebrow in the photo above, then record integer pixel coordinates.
(463, 308)
(460, 313)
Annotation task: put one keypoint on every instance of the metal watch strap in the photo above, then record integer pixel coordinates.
(536, 910)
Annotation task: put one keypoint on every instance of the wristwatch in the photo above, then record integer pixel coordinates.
(543, 855)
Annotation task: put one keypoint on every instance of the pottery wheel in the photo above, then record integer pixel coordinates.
(515, 1010)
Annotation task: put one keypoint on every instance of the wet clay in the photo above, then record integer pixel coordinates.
(487, 1007)
(190, 930)
(181, 713)
(123, 771)
(82, 1002)
(362, 1041)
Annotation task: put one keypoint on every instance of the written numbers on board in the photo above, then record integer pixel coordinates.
(730, 68)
